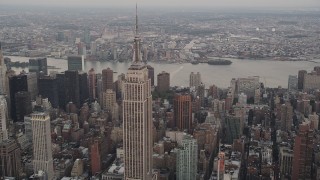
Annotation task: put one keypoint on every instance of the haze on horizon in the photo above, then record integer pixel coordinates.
(170, 3)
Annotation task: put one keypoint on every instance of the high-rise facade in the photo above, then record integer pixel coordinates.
(213, 91)
(95, 157)
(72, 91)
(182, 107)
(137, 123)
(137, 119)
(48, 88)
(233, 128)
(109, 98)
(107, 79)
(92, 84)
(163, 80)
(292, 83)
(83, 88)
(3, 118)
(195, 79)
(3, 74)
(75, 63)
(10, 159)
(42, 151)
(38, 65)
(301, 75)
(23, 105)
(187, 159)
(61, 89)
(303, 153)
(109, 102)
(286, 116)
(285, 162)
(119, 85)
(201, 94)
(247, 86)
(311, 81)
(32, 81)
(16, 83)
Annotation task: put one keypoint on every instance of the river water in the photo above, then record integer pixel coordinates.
(272, 73)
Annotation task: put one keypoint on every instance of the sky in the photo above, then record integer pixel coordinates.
(170, 3)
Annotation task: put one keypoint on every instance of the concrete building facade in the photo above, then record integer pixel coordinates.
(42, 150)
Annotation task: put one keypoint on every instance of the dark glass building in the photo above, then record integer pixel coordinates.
(83, 88)
(75, 63)
(38, 65)
(60, 78)
(23, 105)
(48, 88)
(16, 83)
(72, 90)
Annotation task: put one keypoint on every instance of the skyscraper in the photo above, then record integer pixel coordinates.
(32, 81)
(195, 79)
(3, 118)
(10, 159)
(303, 153)
(72, 91)
(83, 87)
(92, 84)
(48, 88)
(107, 79)
(38, 65)
(301, 75)
(61, 89)
(42, 151)
(182, 108)
(137, 118)
(17, 83)
(163, 80)
(109, 100)
(292, 83)
(233, 128)
(95, 157)
(286, 116)
(22, 105)
(187, 159)
(75, 63)
(201, 94)
(3, 75)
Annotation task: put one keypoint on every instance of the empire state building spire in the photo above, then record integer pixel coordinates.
(136, 53)
(3, 77)
(1, 56)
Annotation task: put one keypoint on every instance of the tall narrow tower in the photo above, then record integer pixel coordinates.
(92, 83)
(3, 76)
(42, 151)
(3, 118)
(137, 118)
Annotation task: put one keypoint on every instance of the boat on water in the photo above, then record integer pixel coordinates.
(219, 62)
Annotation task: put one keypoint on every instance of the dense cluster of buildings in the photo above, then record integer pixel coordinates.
(90, 125)
(177, 37)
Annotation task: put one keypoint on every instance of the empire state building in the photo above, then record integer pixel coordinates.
(3, 76)
(137, 118)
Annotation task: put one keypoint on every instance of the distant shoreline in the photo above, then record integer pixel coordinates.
(314, 60)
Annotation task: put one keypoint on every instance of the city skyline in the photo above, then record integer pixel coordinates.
(168, 3)
(101, 105)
